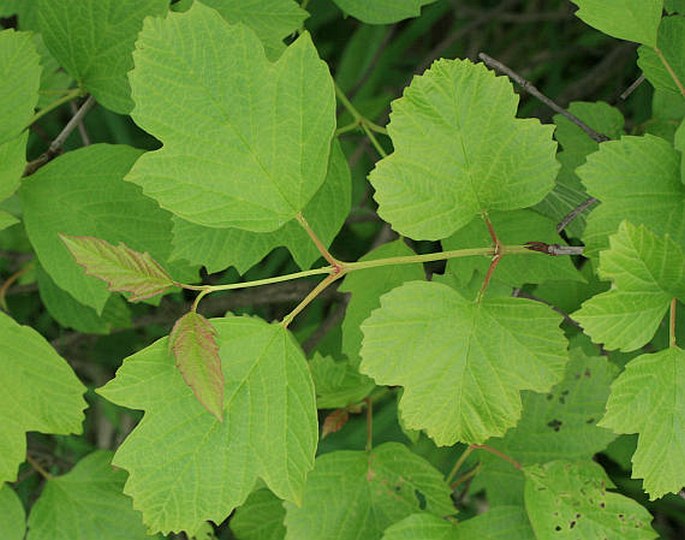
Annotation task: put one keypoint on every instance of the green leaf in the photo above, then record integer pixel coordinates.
(12, 163)
(671, 42)
(570, 500)
(569, 192)
(637, 177)
(647, 271)
(86, 503)
(382, 11)
(40, 393)
(647, 398)
(517, 227)
(94, 202)
(7, 220)
(217, 249)
(247, 151)
(632, 20)
(192, 342)
(501, 523)
(563, 423)
(269, 430)
(93, 40)
(459, 150)
(72, 314)
(355, 494)
(271, 20)
(367, 286)
(122, 268)
(462, 364)
(260, 518)
(338, 383)
(12, 517)
(19, 81)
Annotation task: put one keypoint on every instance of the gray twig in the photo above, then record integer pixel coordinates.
(533, 91)
(573, 214)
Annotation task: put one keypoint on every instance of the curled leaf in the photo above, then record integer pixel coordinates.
(122, 268)
(193, 344)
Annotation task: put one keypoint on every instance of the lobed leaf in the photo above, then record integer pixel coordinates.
(648, 398)
(671, 39)
(459, 151)
(193, 343)
(338, 383)
(12, 163)
(19, 81)
(354, 494)
(632, 20)
(269, 430)
(12, 515)
(647, 272)
(93, 41)
(462, 363)
(122, 268)
(637, 177)
(570, 500)
(40, 393)
(245, 142)
(86, 503)
(382, 11)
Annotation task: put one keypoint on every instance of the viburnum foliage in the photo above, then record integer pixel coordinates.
(511, 338)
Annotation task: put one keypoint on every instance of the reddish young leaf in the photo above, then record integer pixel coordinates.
(334, 422)
(193, 344)
(122, 268)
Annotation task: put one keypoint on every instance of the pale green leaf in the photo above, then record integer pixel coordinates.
(635, 177)
(54, 81)
(671, 42)
(647, 271)
(12, 516)
(269, 429)
(86, 503)
(192, 342)
(260, 518)
(355, 494)
(93, 40)
(382, 11)
(570, 500)
(632, 20)
(459, 150)
(246, 142)
(19, 81)
(562, 424)
(648, 398)
(40, 393)
(217, 249)
(7, 220)
(72, 314)
(122, 268)
(93, 202)
(271, 20)
(576, 145)
(462, 363)
(12, 163)
(338, 383)
(500, 523)
(517, 227)
(367, 286)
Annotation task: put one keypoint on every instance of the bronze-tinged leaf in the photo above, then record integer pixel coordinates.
(334, 422)
(122, 268)
(192, 343)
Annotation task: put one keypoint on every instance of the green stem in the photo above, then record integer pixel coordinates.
(462, 459)
(367, 125)
(72, 94)
(316, 291)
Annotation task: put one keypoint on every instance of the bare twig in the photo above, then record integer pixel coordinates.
(533, 91)
(573, 214)
(85, 138)
(56, 145)
(632, 87)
